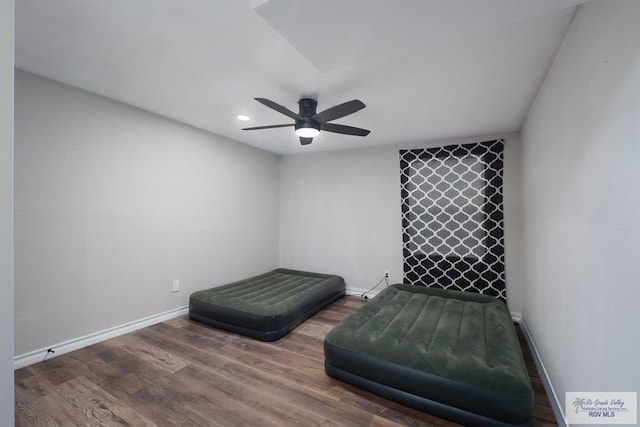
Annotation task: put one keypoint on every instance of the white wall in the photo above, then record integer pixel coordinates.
(581, 159)
(112, 203)
(6, 212)
(340, 213)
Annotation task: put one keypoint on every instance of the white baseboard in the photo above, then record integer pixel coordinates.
(556, 406)
(77, 343)
(357, 292)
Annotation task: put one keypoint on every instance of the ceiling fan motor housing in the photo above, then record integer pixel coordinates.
(307, 107)
(307, 110)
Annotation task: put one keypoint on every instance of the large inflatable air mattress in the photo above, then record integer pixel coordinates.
(453, 354)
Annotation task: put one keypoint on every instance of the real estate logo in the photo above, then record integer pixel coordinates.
(613, 407)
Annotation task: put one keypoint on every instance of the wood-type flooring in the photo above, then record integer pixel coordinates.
(183, 373)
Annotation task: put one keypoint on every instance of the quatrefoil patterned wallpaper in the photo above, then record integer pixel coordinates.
(452, 217)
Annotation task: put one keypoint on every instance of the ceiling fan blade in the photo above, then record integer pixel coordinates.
(305, 141)
(269, 127)
(347, 130)
(340, 110)
(279, 108)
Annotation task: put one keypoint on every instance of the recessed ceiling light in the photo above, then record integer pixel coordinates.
(243, 117)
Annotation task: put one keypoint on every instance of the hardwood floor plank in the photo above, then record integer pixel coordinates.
(57, 370)
(230, 414)
(313, 401)
(305, 345)
(98, 406)
(193, 334)
(181, 372)
(389, 410)
(383, 422)
(264, 377)
(32, 387)
(149, 389)
(178, 322)
(226, 388)
(51, 410)
(315, 329)
(166, 407)
(154, 354)
(258, 406)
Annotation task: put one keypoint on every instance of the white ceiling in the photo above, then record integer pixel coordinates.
(427, 69)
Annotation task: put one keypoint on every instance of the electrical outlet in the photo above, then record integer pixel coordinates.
(386, 274)
(176, 286)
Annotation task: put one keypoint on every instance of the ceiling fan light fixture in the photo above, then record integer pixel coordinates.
(307, 128)
(307, 132)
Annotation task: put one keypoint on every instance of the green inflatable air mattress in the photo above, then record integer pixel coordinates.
(268, 306)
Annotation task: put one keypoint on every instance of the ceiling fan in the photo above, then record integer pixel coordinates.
(308, 123)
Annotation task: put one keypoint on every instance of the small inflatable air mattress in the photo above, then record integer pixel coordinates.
(268, 306)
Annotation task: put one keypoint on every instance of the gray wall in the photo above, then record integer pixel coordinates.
(112, 203)
(581, 181)
(340, 213)
(6, 212)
